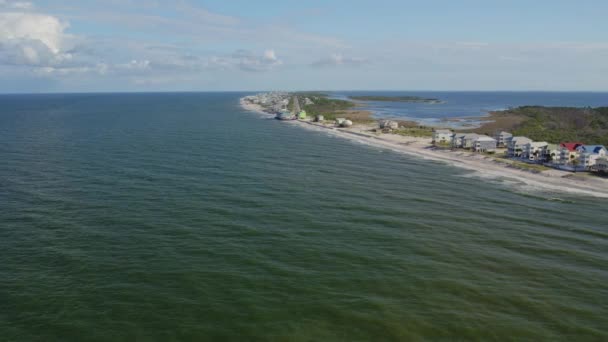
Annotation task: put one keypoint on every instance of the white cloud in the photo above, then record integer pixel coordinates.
(32, 39)
(134, 65)
(339, 60)
(248, 61)
(29, 26)
(20, 5)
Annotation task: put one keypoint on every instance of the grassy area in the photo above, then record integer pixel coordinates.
(322, 104)
(520, 164)
(330, 108)
(552, 124)
(530, 167)
(418, 132)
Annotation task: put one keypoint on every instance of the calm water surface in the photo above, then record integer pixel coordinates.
(181, 217)
(469, 104)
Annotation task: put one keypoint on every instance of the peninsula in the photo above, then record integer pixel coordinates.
(527, 163)
(412, 99)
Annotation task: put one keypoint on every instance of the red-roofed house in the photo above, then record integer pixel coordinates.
(568, 152)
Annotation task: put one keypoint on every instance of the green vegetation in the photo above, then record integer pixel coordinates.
(442, 144)
(321, 104)
(519, 164)
(330, 108)
(394, 99)
(419, 132)
(557, 124)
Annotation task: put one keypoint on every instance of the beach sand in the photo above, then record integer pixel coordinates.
(483, 166)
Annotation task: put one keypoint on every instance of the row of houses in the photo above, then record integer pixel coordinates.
(472, 141)
(567, 155)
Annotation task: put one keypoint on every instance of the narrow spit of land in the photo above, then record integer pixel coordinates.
(420, 145)
(411, 99)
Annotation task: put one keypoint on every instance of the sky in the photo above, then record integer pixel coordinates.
(243, 45)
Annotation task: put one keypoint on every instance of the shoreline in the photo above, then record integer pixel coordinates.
(483, 166)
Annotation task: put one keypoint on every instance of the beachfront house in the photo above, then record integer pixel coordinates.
(503, 138)
(534, 150)
(601, 165)
(589, 154)
(552, 154)
(468, 140)
(484, 143)
(388, 125)
(569, 153)
(515, 147)
(457, 139)
(442, 137)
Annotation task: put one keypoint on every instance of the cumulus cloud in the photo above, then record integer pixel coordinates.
(249, 61)
(339, 60)
(21, 5)
(32, 39)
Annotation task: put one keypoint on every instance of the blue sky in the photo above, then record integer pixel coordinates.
(194, 45)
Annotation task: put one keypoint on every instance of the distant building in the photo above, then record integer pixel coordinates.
(503, 138)
(469, 139)
(534, 150)
(442, 137)
(601, 164)
(457, 139)
(552, 154)
(484, 143)
(388, 124)
(569, 152)
(515, 147)
(589, 154)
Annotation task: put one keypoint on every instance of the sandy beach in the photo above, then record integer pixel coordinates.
(483, 166)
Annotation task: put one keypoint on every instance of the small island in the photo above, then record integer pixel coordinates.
(411, 99)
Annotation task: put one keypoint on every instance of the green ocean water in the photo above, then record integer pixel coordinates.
(181, 217)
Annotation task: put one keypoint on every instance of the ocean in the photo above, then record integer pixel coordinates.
(182, 217)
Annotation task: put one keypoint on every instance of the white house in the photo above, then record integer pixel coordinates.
(552, 154)
(502, 138)
(515, 147)
(569, 152)
(602, 164)
(534, 150)
(484, 143)
(442, 136)
(457, 139)
(589, 154)
(468, 140)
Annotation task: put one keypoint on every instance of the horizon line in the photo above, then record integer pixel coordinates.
(292, 91)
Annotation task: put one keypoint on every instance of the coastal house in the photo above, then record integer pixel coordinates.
(484, 143)
(469, 139)
(515, 146)
(589, 154)
(388, 124)
(442, 137)
(601, 165)
(464, 140)
(569, 153)
(457, 139)
(534, 150)
(552, 154)
(502, 138)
